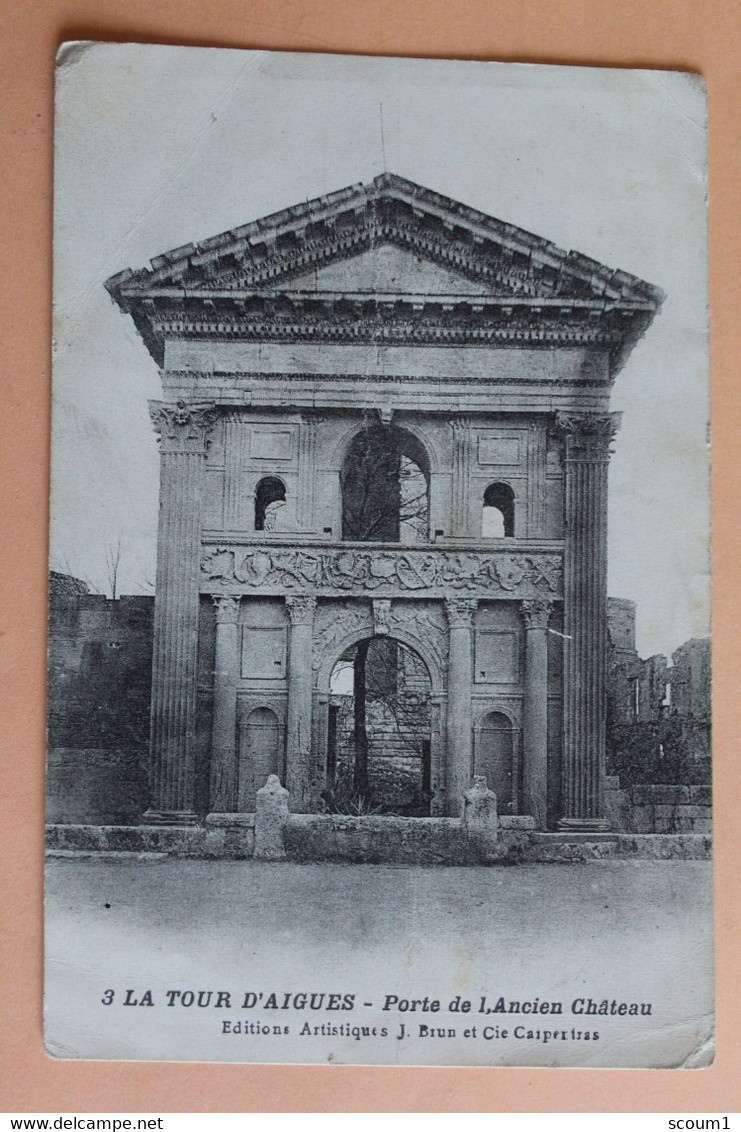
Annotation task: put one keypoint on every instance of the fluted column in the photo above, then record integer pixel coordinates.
(535, 711)
(183, 431)
(224, 765)
(298, 771)
(587, 453)
(460, 613)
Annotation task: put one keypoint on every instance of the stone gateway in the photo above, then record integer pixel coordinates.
(384, 446)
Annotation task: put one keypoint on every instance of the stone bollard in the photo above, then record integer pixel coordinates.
(480, 812)
(271, 815)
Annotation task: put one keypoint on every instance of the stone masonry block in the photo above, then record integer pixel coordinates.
(664, 819)
(701, 795)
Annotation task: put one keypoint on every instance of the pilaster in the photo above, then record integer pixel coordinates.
(301, 608)
(460, 613)
(306, 473)
(535, 711)
(536, 490)
(461, 494)
(234, 495)
(224, 762)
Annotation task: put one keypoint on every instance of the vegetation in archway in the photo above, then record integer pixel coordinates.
(380, 750)
(385, 479)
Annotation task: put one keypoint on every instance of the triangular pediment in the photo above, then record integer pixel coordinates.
(391, 230)
(385, 269)
(311, 272)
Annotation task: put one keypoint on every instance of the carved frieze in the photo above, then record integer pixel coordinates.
(383, 572)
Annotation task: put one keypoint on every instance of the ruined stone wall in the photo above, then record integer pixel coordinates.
(659, 808)
(98, 697)
(658, 721)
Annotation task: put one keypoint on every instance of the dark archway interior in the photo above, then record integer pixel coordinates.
(379, 746)
(499, 511)
(268, 491)
(385, 487)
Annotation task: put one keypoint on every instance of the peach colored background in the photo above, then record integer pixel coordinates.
(701, 35)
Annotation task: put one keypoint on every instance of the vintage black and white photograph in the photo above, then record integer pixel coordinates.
(379, 654)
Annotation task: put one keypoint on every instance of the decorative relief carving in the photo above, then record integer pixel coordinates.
(227, 608)
(381, 616)
(427, 623)
(536, 613)
(301, 608)
(589, 435)
(335, 621)
(182, 427)
(420, 619)
(460, 611)
(399, 571)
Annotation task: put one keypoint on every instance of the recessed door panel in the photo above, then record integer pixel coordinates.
(259, 755)
(493, 756)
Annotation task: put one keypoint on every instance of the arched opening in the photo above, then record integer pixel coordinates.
(385, 487)
(379, 738)
(498, 519)
(270, 499)
(494, 757)
(259, 755)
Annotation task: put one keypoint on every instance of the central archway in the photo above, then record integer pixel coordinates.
(379, 730)
(385, 487)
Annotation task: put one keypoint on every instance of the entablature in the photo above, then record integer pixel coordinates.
(481, 393)
(385, 262)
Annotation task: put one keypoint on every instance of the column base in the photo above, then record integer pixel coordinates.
(170, 817)
(583, 825)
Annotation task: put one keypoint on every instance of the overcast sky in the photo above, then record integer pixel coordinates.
(159, 147)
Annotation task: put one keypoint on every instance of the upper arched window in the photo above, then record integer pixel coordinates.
(385, 487)
(270, 500)
(498, 519)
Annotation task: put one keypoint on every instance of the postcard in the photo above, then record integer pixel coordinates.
(379, 657)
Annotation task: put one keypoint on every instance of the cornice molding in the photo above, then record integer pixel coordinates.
(513, 267)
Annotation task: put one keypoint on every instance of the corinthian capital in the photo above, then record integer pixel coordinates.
(460, 611)
(461, 429)
(536, 613)
(182, 427)
(588, 435)
(301, 608)
(227, 608)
